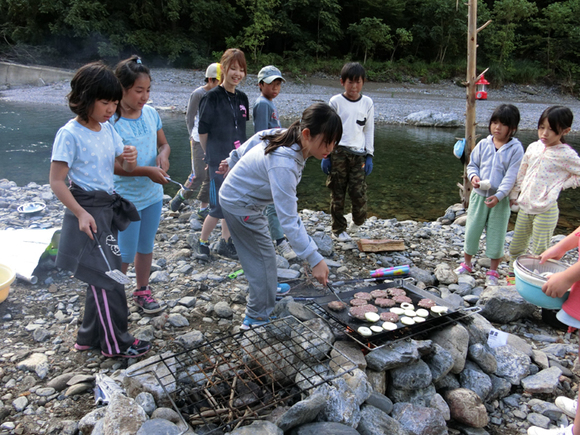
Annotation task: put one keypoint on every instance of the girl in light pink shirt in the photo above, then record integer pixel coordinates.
(549, 165)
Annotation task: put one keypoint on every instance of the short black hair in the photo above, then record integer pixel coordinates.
(128, 70)
(92, 82)
(508, 115)
(559, 117)
(352, 71)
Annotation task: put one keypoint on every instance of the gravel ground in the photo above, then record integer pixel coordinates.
(393, 101)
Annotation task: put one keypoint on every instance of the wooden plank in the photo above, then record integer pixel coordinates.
(368, 245)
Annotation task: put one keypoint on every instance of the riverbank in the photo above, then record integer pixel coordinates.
(393, 101)
(38, 323)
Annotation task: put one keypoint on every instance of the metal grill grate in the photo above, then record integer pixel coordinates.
(220, 385)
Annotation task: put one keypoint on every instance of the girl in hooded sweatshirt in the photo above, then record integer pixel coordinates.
(268, 173)
(492, 170)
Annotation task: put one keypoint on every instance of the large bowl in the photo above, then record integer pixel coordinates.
(529, 280)
(7, 277)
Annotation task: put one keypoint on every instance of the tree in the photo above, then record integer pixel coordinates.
(371, 33)
(403, 37)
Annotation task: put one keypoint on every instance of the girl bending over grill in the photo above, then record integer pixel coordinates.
(268, 173)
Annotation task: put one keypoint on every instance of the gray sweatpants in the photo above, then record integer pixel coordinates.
(258, 257)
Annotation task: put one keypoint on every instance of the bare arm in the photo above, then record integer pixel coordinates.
(163, 151)
(203, 142)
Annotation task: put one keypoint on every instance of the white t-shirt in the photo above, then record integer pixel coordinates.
(358, 123)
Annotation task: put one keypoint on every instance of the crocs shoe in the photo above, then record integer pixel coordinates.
(250, 323)
(282, 288)
(535, 430)
(567, 405)
(144, 300)
(491, 278)
(463, 269)
(138, 348)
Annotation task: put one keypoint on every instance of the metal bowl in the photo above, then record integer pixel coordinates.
(529, 280)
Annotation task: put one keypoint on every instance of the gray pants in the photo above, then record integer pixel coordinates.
(258, 257)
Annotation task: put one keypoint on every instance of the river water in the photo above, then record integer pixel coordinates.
(414, 176)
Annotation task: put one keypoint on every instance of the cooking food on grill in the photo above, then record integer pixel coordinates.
(397, 310)
(438, 309)
(401, 298)
(379, 294)
(359, 312)
(389, 326)
(372, 317)
(358, 302)
(419, 319)
(389, 317)
(395, 291)
(426, 303)
(384, 302)
(407, 306)
(407, 320)
(363, 295)
(376, 328)
(336, 306)
(364, 331)
(422, 312)
(410, 313)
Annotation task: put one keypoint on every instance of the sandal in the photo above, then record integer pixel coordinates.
(463, 269)
(491, 278)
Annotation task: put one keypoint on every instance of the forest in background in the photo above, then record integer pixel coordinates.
(398, 40)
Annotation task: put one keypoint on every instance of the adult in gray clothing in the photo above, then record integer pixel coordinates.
(269, 173)
(199, 176)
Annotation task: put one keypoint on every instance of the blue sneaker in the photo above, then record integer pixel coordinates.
(249, 323)
(282, 289)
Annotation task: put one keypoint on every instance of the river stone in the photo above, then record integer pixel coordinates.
(419, 420)
(376, 422)
(412, 376)
(503, 304)
(158, 426)
(191, 339)
(466, 407)
(440, 362)
(438, 402)
(546, 381)
(177, 320)
(88, 422)
(422, 275)
(300, 311)
(80, 378)
(287, 273)
(159, 276)
(390, 357)
(312, 340)
(75, 389)
(358, 383)
(341, 404)
(223, 310)
(448, 382)
(37, 362)
(380, 401)
(418, 396)
(378, 380)
(478, 329)
(302, 412)
(454, 339)
(168, 414)
(538, 420)
(60, 382)
(351, 351)
(324, 243)
(41, 334)
(522, 345)
(512, 364)
(259, 427)
(123, 415)
(465, 279)
(560, 349)
(482, 355)
(146, 333)
(541, 359)
(545, 408)
(475, 380)
(20, 403)
(43, 392)
(139, 377)
(146, 401)
(323, 428)
(445, 274)
(63, 427)
(431, 118)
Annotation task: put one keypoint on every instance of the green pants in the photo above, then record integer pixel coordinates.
(493, 220)
(537, 227)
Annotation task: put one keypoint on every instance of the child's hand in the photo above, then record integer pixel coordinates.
(86, 223)
(475, 181)
(157, 175)
(223, 168)
(129, 154)
(557, 285)
(492, 201)
(320, 272)
(552, 253)
(162, 162)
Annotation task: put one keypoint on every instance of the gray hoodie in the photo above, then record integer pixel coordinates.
(258, 180)
(500, 167)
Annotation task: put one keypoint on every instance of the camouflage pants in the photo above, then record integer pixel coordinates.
(347, 174)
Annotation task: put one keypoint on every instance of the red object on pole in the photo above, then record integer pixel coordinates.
(481, 92)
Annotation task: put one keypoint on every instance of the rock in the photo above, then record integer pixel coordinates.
(302, 412)
(482, 355)
(344, 351)
(438, 403)
(60, 382)
(223, 310)
(159, 276)
(390, 357)
(177, 320)
(324, 243)
(37, 362)
(20, 403)
(324, 428)
(538, 420)
(123, 416)
(412, 376)
(88, 422)
(445, 274)
(512, 364)
(258, 428)
(376, 422)
(79, 378)
(475, 380)
(440, 362)
(75, 389)
(147, 402)
(504, 305)
(158, 426)
(380, 401)
(146, 333)
(466, 407)
(377, 380)
(455, 340)
(546, 381)
(430, 118)
(341, 404)
(419, 420)
(138, 380)
(422, 275)
(41, 334)
(191, 339)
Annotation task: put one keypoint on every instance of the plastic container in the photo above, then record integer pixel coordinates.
(7, 276)
(529, 280)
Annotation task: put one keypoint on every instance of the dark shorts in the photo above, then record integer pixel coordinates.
(215, 183)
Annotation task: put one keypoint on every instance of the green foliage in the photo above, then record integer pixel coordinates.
(370, 34)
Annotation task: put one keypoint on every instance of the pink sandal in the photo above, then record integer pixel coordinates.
(463, 269)
(491, 278)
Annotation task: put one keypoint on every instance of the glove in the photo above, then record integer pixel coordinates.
(325, 165)
(369, 165)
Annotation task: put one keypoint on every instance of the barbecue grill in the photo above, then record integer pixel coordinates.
(220, 385)
(342, 321)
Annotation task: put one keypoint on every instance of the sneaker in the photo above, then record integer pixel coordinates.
(250, 322)
(342, 237)
(202, 214)
(282, 288)
(138, 348)
(353, 228)
(286, 251)
(203, 254)
(491, 278)
(227, 249)
(176, 201)
(535, 430)
(463, 269)
(144, 300)
(82, 347)
(567, 405)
